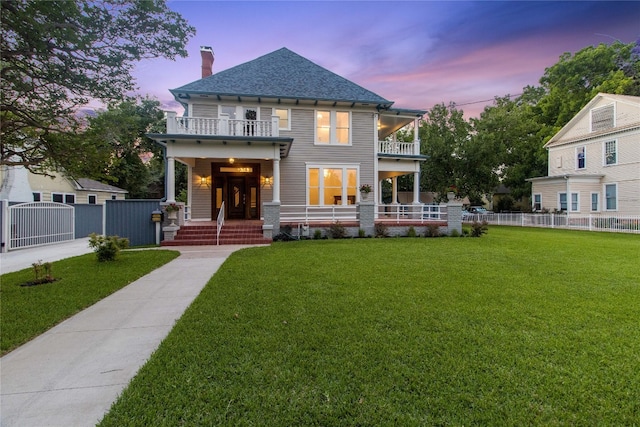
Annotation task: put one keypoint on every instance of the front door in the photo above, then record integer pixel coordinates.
(237, 197)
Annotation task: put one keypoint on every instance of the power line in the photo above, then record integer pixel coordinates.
(483, 101)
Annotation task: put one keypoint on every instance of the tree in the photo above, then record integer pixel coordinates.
(119, 133)
(443, 133)
(575, 79)
(510, 135)
(59, 55)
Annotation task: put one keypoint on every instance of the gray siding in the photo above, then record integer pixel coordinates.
(132, 219)
(303, 150)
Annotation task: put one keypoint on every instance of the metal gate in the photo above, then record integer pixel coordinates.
(40, 223)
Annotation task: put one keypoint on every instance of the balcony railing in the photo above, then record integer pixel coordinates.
(399, 148)
(222, 126)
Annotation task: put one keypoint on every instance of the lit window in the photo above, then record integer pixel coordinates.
(332, 185)
(283, 114)
(610, 153)
(333, 127)
(611, 196)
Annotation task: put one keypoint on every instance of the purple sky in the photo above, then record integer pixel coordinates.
(416, 53)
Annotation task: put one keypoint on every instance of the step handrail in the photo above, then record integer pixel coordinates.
(219, 223)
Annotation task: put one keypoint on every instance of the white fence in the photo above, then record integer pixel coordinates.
(40, 223)
(615, 223)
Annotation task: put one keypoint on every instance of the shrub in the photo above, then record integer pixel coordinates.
(317, 235)
(42, 272)
(381, 230)
(107, 248)
(411, 232)
(454, 233)
(361, 232)
(337, 231)
(432, 230)
(284, 235)
(478, 228)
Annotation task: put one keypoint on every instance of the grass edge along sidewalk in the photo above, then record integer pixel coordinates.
(520, 327)
(28, 311)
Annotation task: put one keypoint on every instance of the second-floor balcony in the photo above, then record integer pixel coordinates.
(395, 148)
(223, 126)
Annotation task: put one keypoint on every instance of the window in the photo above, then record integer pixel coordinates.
(92, 199)
(230, 110)
(580, 157)
(611, 196)
(537, 202)
(610, 153)
(575, 205)
(332, 185)
(63, 198)
(37, 197)
(595, 202)
(562, 201)
(602, 118)
(284, 115)
(333, 127)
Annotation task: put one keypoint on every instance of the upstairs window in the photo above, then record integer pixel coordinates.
(283, 114)
(610, 153)
(333, 127)
(602, 118)
(580, 157)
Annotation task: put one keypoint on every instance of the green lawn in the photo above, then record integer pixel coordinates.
(29, 311)
(520, 327)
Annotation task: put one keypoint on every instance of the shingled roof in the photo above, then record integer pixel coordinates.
(282, 74)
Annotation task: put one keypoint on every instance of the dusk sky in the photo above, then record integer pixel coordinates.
(416, 53)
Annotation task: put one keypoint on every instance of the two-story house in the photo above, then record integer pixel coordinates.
(281, 135)
(594, 161)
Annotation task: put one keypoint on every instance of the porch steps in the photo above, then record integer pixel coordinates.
(231, 234)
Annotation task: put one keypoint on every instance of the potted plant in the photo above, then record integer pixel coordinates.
(365, 189)
(172, 211)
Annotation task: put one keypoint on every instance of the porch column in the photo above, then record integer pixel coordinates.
(394, 192)
(170, 191)
(416, 188)
(276, 180)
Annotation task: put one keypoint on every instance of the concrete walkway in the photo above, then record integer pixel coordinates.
(70, 375)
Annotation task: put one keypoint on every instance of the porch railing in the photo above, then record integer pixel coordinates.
(412, 213)
(307, 213)
(594, 222)
(219, 223)
(332, 213)
(399, 148)
(223, 126)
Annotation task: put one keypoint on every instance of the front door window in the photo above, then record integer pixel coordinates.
(236, 198)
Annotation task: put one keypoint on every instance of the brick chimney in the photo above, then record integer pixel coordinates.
(207, 60)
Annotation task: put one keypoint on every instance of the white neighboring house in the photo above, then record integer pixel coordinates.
(17, 184)
(594, 161)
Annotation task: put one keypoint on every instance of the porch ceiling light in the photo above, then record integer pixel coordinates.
(232, 160)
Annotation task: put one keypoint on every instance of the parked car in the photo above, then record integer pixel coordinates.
(479, 210)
